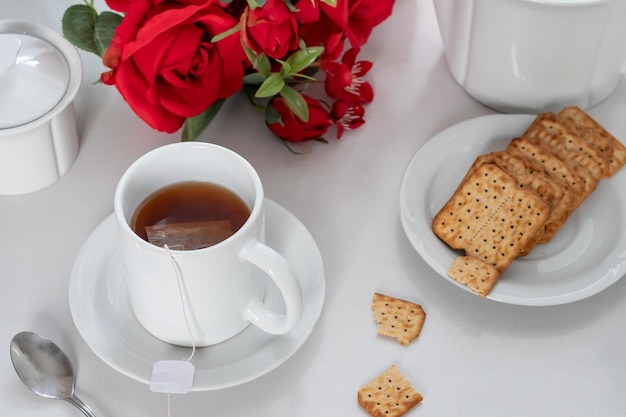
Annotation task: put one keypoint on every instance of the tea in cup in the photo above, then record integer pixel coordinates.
(191, 219)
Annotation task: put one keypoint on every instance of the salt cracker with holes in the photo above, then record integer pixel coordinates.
(563, 205)
(478, 276)
(537, 182)
(491, 218)
(400, 319)
(498, 210)
(472, 205)
(567, 145)
(591, 131)
(390, 394)
(560, 170)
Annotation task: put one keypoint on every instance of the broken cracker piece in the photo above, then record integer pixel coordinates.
(400, 319)
(478, 276)
(390, 394)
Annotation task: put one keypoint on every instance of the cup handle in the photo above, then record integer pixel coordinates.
(281, 272)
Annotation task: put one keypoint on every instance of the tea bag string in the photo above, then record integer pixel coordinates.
(179, 280)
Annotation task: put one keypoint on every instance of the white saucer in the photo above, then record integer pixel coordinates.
(586, 256)
(103, 315)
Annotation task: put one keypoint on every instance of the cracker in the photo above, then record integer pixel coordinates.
(400, 319)
(567, 144)
(490, 217)
(390, 394)
(511, 230)
(513, 199)
(553, 167)
(589, 180)
(511, 167)
(537, 182)
(476, 200)
(596, 135)
(477, 275)
(565, 203)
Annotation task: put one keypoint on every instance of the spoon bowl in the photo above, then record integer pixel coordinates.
(45, 369)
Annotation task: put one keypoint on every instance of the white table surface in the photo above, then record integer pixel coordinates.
(475, 357)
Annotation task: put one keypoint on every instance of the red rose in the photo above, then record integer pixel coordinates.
(345, 80)
(357, 18)
(347, 116)
(293, 129)
(364, 15)
(272, 29)
(308, 11)
(119, 5)
(328, 30)
(164, 63)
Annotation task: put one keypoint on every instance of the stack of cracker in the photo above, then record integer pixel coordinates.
(511, 200)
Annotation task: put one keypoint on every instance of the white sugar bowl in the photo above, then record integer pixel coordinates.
(40, 73)
(530, 56)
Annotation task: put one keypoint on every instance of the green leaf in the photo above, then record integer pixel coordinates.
(285, 68)
(302, 58)
(259, 62)
(106, 23)
(271, 86)
(290, 6)
(295, 102)
(226, 34)
(78, 25)
(194, 126)
(304, 76)
(272, 116)
(332, 3)
(263, 65)
(253, 4)
(250, 54)
(254, 78)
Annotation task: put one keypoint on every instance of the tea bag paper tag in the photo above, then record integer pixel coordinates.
(172, 376)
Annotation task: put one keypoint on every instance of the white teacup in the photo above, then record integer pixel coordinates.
(532, 56)
(221, 287)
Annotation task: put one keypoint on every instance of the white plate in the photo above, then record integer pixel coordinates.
(586, 256)
(103, 315)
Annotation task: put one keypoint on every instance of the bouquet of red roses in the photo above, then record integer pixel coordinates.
(176, 61)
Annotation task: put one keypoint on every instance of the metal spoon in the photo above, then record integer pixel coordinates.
(43, 367)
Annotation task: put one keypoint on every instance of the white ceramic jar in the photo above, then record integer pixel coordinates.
(529, 56)
(40, 73)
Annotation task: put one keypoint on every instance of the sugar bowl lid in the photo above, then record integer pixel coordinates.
(34, 78)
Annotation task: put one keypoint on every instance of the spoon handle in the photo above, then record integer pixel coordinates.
(74, 400)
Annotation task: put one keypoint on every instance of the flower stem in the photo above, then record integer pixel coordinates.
(250, 95)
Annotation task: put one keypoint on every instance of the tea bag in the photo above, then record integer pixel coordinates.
(175, 376)
(189, 235)
(172, 376)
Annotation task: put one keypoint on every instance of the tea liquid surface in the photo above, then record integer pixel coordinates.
(190, 215)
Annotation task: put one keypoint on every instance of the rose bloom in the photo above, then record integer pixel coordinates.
(271, 29)
(364, 15)
(164, 64)
(349, 19)
(327, 30)
(293, 129)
